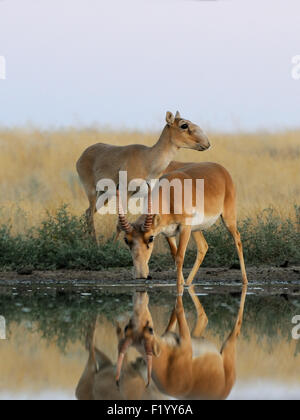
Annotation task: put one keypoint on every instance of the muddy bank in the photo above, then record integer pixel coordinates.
(289, 276)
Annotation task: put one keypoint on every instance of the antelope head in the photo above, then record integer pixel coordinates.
(185, 134)
(139, 237)
(139, 333)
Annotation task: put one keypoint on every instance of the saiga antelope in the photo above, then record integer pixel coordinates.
(103, 161)
(182, 366)
(219, 200)
(98, 379)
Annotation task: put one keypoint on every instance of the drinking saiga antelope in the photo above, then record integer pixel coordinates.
(98, 379)
(104, 161)
(183, 366)
(219, 201)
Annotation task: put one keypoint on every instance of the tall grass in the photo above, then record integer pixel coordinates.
(38, 176)
(37, 171)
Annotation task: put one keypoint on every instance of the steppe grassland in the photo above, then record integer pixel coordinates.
(37, 171)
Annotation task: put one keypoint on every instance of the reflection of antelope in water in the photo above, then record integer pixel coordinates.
(98, 379)
(183, 366)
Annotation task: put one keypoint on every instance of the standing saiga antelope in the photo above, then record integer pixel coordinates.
(219, 201)
(98, 379)
(104, 161)
(183, 366)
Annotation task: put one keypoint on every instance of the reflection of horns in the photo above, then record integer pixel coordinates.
(123, 349)
(149, 353)
(149, 218)
(124, 224)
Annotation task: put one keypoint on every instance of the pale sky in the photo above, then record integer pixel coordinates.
(226, 65)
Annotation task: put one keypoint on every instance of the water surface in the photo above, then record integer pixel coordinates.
(47, 327)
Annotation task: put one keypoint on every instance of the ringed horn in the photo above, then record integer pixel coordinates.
(122, 353)
(124, 224)
(149, 218)
(149, 354)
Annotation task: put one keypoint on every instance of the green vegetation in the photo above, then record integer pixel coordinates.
(62, 242)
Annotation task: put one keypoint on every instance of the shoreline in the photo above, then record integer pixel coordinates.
(283, 278)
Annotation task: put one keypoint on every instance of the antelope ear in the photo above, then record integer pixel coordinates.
(178, 115)
(170, 118)
(156, 349)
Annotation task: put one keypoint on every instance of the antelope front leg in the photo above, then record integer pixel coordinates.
(185, 235)
(230, 223)
(173, 246)
(202, 319)
(184, 330)
(228, 350)
(202, 249)
(172, 323)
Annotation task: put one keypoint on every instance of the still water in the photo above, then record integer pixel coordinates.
(49, 331)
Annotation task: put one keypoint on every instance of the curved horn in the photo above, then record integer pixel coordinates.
(149, 218)
(123, 349)
(149, 354)
(124, 224)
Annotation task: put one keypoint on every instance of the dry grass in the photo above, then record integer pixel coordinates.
(37, 170)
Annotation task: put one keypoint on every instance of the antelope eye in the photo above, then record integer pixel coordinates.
(184, 126)
(151, 331)
(126, 329)
(151, 239)
(126, 241)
